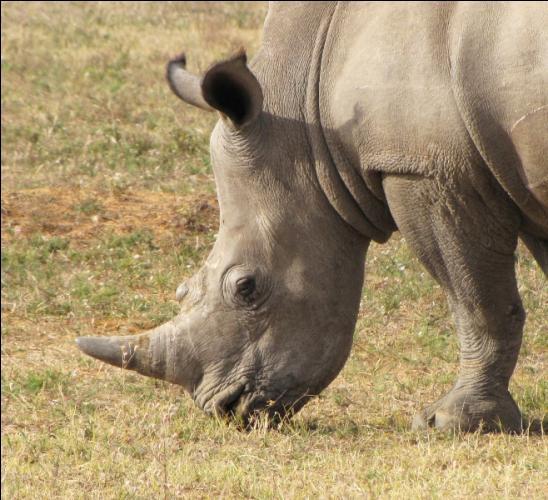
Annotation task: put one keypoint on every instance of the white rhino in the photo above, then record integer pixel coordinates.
(355, 120)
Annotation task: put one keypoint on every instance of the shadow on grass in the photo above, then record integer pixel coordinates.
(535, 427)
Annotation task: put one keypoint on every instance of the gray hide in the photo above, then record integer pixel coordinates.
(353, 121)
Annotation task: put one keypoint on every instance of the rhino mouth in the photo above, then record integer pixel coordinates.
(225, 402)
(248, 407)
(238, 403)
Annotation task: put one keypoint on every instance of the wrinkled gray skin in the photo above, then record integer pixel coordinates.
(353, 121)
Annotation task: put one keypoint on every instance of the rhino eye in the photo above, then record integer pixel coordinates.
(245, 288)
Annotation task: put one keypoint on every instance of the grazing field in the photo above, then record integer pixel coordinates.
(108, 202)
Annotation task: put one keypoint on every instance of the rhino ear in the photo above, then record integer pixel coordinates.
(231, 88)
(228, 86)
(185, 85)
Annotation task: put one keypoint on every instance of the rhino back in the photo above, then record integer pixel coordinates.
(436, 89)
(386, 89)
(500, 69)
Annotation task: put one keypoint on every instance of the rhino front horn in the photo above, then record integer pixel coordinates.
(124, 352)
(163, 353)
(145, 353)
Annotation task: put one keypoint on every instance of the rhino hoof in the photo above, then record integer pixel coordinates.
(466, 412)
(181, 292)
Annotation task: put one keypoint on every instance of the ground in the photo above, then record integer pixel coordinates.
(108, 202)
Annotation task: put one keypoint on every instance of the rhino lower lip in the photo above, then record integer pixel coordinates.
(226, 402)
(231, 405)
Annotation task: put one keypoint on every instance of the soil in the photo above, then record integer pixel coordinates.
(81, 215)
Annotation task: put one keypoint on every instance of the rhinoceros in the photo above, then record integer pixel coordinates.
(353, 121)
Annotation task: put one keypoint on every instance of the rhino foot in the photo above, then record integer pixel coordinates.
(466, 410)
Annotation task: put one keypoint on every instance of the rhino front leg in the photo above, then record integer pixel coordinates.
(466, 238)
(490, 339)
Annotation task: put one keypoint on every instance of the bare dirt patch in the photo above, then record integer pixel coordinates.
(82, 215)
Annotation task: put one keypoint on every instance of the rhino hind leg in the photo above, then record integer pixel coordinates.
(469, 249)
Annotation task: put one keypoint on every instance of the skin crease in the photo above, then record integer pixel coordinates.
(353, 121)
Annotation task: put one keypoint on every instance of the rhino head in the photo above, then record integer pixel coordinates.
(268, 321)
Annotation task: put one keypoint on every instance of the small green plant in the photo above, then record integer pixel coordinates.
(89, 206)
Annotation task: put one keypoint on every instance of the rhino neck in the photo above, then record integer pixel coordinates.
(290, 66)
(283, 62)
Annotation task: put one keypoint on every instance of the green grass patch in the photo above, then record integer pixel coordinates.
(34, 382)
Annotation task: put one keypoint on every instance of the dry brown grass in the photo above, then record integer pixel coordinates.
(107, 203)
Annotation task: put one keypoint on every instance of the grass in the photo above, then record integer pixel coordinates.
(107, 204)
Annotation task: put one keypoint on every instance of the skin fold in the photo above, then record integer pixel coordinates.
(354, 121)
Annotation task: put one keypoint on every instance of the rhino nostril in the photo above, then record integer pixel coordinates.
(181, 291)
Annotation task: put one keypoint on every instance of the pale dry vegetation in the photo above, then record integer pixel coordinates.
(107, 204)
